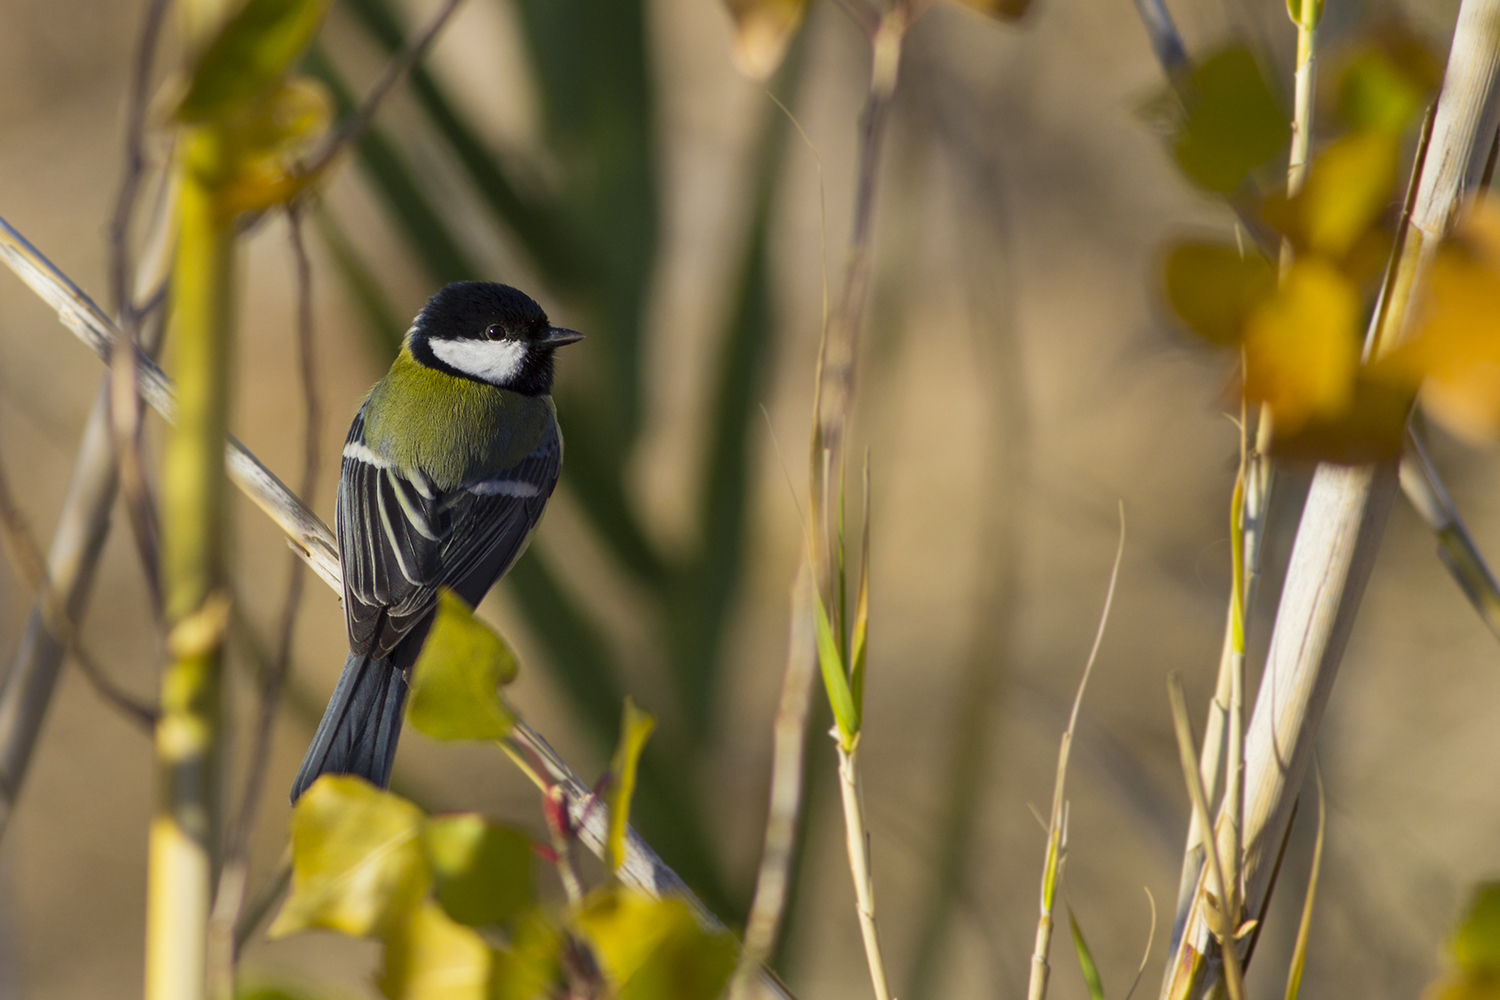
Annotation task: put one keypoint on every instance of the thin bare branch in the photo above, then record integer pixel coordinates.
(1057, 823)
(27, 557)
(126, 401)
(1456, 546)
(394, 72)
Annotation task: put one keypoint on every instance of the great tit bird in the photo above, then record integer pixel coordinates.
(446, 470)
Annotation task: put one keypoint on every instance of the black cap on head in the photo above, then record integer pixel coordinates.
(470, 309)
(480, 311)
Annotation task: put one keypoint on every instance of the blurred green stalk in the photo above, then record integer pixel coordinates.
(184, 826)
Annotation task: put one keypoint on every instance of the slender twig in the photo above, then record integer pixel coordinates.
(789, 740)
(27, 557)
(234, 873)
(834, 389)
(1057, 822)
(1456, 546)
(394, 72)
(126, 401)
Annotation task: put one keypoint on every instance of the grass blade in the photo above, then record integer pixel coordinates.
(1085, 959)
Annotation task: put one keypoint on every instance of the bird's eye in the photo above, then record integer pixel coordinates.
(494, 332)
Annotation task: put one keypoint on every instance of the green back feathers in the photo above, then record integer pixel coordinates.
(454, 430)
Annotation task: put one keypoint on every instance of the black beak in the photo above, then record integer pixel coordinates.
(558, 337)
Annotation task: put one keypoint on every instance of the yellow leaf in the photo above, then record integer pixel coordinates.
(1348, 189)
(655, 949)
(1476, 941)
(635, 729)
(1302, 348)
(1464, 987)
(1213, 288)
(265, 143)
(455, 688)
(430, 957)
(762, 31)
(357, 862)
(1455, 349)
(481, 873)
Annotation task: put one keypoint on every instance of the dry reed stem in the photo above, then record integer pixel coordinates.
(1346, 508)
(788, 747)
(1223, 916)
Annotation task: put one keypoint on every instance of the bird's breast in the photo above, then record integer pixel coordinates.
(454, 430)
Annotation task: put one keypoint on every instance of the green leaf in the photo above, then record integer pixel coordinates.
(635, 729)
(1233, 123)
(1476, 941)
(840, 698)
(1086, 959)
(655, 949)
(1213, 288)
(357, 861)
(455, 688)
(253, 49)
(861, 628)
(430, 957)
(481, 873)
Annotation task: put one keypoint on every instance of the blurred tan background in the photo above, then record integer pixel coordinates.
(1018, 382)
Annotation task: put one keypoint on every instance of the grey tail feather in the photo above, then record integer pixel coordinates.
(360, 727)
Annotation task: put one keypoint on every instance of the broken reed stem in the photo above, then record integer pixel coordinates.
(1225, 922)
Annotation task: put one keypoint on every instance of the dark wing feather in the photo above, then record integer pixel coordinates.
(400, 540)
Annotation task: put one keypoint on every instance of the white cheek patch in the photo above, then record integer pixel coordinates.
(496, 361)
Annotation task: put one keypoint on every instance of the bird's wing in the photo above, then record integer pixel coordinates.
(400, 539)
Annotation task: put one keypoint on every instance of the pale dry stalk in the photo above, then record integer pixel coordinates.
(1346, 509)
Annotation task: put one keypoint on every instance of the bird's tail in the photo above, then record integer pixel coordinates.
(360, 726)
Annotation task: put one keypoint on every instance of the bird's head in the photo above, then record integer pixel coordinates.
(489, 333)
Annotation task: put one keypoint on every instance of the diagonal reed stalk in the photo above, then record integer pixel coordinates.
(1345, 513)
(311, 540)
